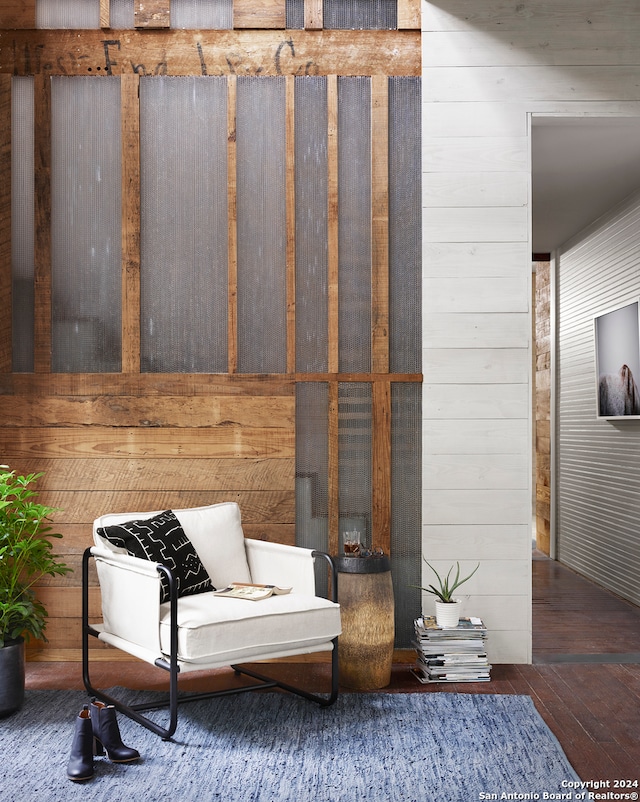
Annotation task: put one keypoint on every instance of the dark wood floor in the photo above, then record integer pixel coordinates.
(584, 680)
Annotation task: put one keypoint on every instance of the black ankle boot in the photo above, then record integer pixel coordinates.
(80, 766)
(106, 734)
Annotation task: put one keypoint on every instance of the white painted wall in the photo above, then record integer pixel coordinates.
(487, 67)
(598, 484)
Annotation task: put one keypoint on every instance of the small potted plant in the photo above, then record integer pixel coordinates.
(447, 607)
(25, 557)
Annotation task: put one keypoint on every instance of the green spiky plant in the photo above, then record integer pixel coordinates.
(447, 585)
(25, 557)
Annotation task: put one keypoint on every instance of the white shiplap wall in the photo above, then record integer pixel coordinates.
(598, 486)
(488, 66)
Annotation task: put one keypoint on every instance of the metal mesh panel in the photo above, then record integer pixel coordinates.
(361, 14)
(193, 14)
(405, 243)
(121, 14)
(294, 10)
(68, 14)
(354, 223)
(355, 460)
(312, 466)
(85, 225)
(311, 224)
(262, 230)
(406, 537)
(22, 222)
(184, 239)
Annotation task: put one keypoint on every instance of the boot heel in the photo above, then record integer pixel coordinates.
(107, 736)
(80, 765)
(98, 748)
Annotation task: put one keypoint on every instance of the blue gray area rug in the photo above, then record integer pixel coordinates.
(272, 747)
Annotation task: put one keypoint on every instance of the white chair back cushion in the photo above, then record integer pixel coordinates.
(216, 534)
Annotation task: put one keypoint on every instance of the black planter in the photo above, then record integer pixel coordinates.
(11, 677)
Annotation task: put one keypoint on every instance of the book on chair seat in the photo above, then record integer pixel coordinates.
(244, 590)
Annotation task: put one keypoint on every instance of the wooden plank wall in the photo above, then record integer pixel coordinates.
(543, 404)
(138, 442)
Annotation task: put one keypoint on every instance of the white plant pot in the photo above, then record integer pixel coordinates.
(448, 613)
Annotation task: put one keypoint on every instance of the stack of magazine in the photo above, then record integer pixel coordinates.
(451, 654)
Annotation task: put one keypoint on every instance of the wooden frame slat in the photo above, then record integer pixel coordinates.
(313, 15)
(232, 187)
(380, 224)
(332, 223)
(290, 203)
(256, 14)
(42, 312)
(152, 13)
(381, 466)
(105, 13)
(5, 225)
(333, 478)
(255, 52)
(130, 128)
(409, 17)
(18, 13)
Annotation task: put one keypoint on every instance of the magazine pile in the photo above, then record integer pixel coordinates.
(451, 654)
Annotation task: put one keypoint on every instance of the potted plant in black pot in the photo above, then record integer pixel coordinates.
(25, 557)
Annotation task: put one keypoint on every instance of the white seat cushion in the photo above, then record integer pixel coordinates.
(215, 629)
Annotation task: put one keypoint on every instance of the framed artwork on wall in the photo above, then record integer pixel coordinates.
(617, 341)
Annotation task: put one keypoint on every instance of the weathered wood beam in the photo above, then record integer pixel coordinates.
(89, 52)
(5, 224)
(152, 13)
(313, 15)
(259, 14)
(380, 223)
(130, 127)
(42, 310)
(18, 13)
(409, 15)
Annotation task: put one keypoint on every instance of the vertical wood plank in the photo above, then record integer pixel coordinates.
(259, 14)
(380, 223)
(381, 501)
(42, 166)
(232, 225)
(313, 15)
(17, 14)
(152, 14)
(408, 15)
(333, 479)
(332, 224)
(130, 127)
(290, 211)
(5, 224)
(105, 14)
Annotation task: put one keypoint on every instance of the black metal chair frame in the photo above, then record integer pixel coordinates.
(135, 711)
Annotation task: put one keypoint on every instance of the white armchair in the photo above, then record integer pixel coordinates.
(157, 572)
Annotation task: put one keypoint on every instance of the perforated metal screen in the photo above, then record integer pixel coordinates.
(360, 14)
(262, 229)
(405, 231)
(70, 14)
(354, 223)
(311, 191)
(184, 224)
(85, 225)
(22, 222)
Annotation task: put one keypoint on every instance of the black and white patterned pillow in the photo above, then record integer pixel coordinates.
(162, 539)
